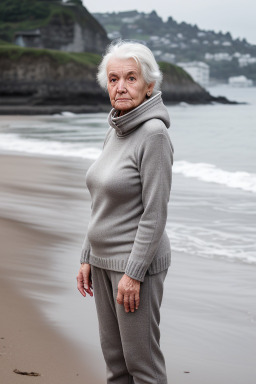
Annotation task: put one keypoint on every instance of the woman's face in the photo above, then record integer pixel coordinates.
(126, 86)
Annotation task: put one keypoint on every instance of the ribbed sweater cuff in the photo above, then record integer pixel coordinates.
(85, 255)
(136, 270)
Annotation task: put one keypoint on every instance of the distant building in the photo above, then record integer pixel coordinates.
(157, 54)
(168, 57)
(240, 81)
(198, 70)
(226, 44)
(130, 20)
(218, 56)
(245, 60)
(114, 35)
(30, 38)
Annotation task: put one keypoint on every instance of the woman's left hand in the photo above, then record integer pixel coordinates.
(128, 293)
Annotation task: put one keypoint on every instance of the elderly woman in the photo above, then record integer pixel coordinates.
(126, 252)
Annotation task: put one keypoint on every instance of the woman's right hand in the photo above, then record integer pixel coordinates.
(84, 282)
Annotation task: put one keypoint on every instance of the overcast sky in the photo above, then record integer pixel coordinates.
(235, 16)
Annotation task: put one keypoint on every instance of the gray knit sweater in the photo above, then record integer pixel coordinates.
(130, 187)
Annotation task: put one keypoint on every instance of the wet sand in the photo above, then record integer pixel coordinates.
(208, 320)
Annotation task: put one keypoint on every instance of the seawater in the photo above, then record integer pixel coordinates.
(212, 206)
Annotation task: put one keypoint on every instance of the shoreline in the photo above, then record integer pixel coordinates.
(27, 110)
(53, 109)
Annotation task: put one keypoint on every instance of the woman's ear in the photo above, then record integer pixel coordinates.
(150, 89)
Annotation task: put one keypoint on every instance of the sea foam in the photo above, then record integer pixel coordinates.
(211, 174)
(12, 142)
(211, 243)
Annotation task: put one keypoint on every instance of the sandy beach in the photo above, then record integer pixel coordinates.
(28, 341)
(208, 314)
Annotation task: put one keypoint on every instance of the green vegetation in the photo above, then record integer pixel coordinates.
(2, 42)
(16, 15)
(26, 15)
(14, 53)
(23, 10)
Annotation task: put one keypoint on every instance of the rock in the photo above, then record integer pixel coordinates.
(36, 81)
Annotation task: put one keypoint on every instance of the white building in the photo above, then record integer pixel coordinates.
(245, 60)
(114, 35)
(218, 56)
(198, 70)
(168, 57)
(226, 44)
(240, 81)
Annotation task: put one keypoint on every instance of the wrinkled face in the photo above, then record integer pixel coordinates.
(126, 86)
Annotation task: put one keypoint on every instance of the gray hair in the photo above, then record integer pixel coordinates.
(131, 50)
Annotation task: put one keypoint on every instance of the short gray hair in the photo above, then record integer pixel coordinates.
(131, 50)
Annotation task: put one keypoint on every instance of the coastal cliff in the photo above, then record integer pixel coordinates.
(38, 77)
(42, 81)
(65, 26)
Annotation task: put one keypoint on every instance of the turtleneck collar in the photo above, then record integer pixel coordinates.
(153, 108)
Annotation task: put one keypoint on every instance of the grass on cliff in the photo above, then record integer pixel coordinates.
(14, 53)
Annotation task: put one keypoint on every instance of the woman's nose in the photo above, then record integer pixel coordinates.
(121, 86)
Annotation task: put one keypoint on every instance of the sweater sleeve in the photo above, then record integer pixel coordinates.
(155, 159)
(85, 254)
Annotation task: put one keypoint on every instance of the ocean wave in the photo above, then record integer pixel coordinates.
(13, 142)
(211, 174)
(65, 114)
(201, 171)
(211, 243)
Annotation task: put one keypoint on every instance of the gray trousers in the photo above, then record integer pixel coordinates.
(130, 341)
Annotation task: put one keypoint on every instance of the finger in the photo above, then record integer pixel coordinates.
(137, 300)
(88, 290)
(86, 279)
(120, 297)
(126, 303)
(132, 303)
(80, 286)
